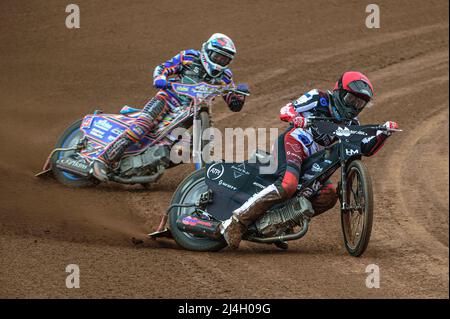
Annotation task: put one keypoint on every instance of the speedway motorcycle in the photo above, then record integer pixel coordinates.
(145, 161)
(208, 196)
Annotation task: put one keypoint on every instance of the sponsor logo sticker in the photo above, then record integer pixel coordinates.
(215, 171)
(316, 168)
(239, 170)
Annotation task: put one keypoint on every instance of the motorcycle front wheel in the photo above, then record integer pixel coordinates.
(188, 192)
(357, 220)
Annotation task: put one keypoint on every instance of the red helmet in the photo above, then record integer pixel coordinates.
(352, 92)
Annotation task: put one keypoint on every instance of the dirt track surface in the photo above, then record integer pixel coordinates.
(50, 76)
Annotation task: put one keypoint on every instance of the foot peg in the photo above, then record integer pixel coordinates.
(160, 233)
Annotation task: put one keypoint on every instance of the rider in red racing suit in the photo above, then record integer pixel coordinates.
(351, 94)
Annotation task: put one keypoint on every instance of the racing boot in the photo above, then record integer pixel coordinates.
(110, 155)
(234, 227)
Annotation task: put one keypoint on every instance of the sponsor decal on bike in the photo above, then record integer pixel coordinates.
(97, 133)
(350, 152)
(73, 163)
(181, 88)
(222, 183)
(103, 124)
(192, 221)
(86, 122)
(239, 170)
(215, 171)
(201, 90)
(316, 168)
(347, 132)
(367, 139)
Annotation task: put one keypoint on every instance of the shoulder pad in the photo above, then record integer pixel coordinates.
(191, 52)
(308, 97)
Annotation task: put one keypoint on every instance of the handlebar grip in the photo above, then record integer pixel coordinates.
(242, 93)
(384, 128)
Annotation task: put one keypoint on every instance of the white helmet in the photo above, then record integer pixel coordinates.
(217, 53)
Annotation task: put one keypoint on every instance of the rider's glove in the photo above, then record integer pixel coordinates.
(390, 126)
(300, 121)
(241, 88)
(235, 100)
(287, 113)
(160, 82)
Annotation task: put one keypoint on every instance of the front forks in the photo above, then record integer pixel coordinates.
(342, 185)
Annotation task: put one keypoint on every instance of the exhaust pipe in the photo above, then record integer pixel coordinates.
(137, 179)
(197, 226)
(73, 166)
(271, 240)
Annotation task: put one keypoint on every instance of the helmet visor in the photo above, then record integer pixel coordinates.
(354, 101)
(362, 88)
(219, 59)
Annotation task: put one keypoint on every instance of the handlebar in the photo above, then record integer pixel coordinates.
(240, 92)
(324, 118)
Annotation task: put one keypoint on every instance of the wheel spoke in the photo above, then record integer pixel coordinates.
(356, 209)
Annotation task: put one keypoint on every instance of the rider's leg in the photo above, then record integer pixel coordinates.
(325, 199)
(289, 154)
(148, 118)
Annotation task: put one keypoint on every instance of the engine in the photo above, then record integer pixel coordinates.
(146, 163)
(281, 220)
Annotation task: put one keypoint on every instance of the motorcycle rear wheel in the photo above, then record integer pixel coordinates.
(70, 138)
(189, 192)
(357, 221)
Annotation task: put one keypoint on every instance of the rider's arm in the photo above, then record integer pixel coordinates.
(369, 146)
(234, 101)
(304, 106)
(171, 67)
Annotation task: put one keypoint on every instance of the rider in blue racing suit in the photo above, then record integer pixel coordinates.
(352, 92)
(209, 65)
